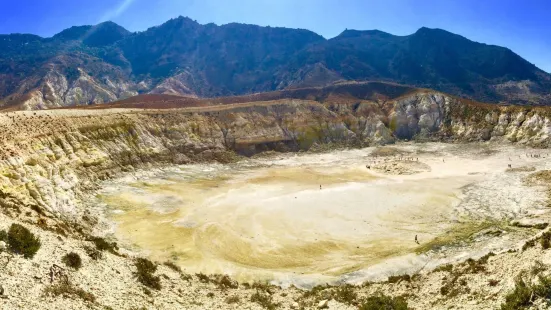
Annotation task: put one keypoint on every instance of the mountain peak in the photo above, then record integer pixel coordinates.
(352, 33)
(102, 34)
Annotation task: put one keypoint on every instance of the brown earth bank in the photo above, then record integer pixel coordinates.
(50, 160)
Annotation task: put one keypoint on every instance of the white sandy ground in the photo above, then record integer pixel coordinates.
(267, 218)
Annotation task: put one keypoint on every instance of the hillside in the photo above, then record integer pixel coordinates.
(103, 63)
(53, 162)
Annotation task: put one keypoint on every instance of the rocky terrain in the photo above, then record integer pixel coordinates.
(50, 160)
(86, 65)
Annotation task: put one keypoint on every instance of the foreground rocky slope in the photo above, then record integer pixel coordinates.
(50, 160)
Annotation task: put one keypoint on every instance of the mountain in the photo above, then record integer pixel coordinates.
(102, 63)
(431, 58)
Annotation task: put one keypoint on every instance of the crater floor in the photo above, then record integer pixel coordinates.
(342, 216)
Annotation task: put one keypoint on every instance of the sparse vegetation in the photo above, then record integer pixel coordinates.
(22, 241)
(263, 299)
(399, 278)
(225, 282)
(145, 271)
(173, 266)
(524, 295)
(232, 299)
(528, 244)
(72, 260)
(476, 266)
(67, 290)
(346, 295)
(442, 268)
(315, 291)
(103, 245)
(222, 281)
(202, 277)
(382, 302)
(545, 240)
(93, 253)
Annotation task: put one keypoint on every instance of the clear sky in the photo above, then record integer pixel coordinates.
(521, 25)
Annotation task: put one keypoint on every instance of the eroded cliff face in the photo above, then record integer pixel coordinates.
(49, 158)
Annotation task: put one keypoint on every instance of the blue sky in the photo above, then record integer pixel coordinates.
(521, 25)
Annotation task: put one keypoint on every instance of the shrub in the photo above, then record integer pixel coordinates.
(173, 266)
(447, 267)
(94, 254)
(102, 245)
(545, 240)
(22, 241)
(145, 270)
(224, 282)
(232, 300)
(65, 289)
(3, 236)
(203, 277)
(264, 300)
(72, 260)
(524, 295)
(383, 302)
(315, 291)
(396, 279)
(346, 295)
(528, 244)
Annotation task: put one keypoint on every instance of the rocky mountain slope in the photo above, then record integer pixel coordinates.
(44, 152)
(96, 64)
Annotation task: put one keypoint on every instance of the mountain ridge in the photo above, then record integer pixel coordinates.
(101, 63)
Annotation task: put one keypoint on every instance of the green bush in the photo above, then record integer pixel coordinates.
(383, 302)
(66, 289)
(173, 266)
(102, 245)
(3, 236)
(203, 277)
(444, 268)
(232, 299)
(264, 300)
(94, 254)
(224, 282)
(22, 241)
(145, 271)
(545, 240)
(524, 295)
(399, 278)
(72, 260)
(346, 295)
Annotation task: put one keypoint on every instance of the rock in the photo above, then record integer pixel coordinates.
(2, 246)
(181, 159)
(323, 304)
(1, 290)
(294, 305)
